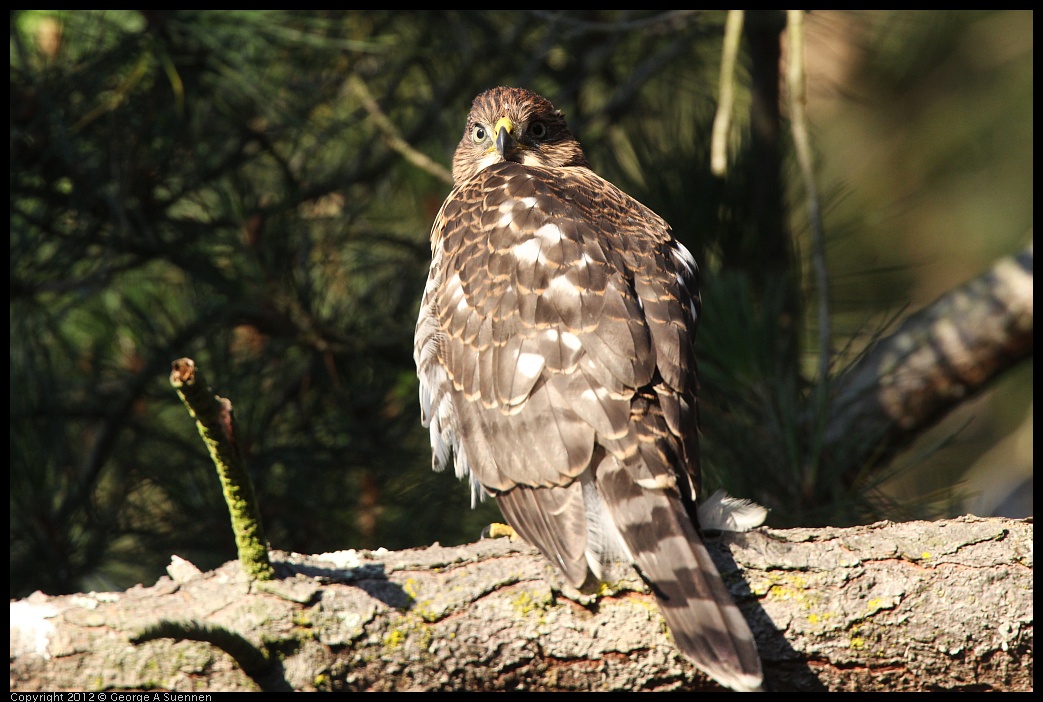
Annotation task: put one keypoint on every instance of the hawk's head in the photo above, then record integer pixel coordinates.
(513, 124)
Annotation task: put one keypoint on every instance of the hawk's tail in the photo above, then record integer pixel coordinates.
(706, 624)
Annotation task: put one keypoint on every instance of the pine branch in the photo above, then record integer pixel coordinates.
(935, 360)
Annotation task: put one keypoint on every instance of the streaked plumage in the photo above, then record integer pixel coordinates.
(556, 362)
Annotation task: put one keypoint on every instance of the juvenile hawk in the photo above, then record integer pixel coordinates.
(556, 362)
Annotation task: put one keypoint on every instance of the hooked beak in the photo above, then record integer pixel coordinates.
(506, 144)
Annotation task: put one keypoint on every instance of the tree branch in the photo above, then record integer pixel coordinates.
(936, 359)
(915, 606)
(392, 136)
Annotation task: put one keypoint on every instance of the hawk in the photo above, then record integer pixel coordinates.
(555, 351)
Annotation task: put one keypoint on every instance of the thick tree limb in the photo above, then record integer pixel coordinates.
(935, 360)
(914, 606)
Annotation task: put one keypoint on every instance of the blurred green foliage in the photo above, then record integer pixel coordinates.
(210, 184)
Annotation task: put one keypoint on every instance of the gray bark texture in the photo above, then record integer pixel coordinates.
(912, 606)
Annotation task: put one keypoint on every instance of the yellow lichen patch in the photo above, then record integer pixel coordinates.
(877, 604)
(819, 618)
(793, 590)
(410, 629)
(410, 587)
(525, 603)
(421, 607)
(395, 638)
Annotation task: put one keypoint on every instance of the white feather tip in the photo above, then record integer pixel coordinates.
(723, 513)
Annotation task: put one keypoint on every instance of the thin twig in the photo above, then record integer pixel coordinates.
(391, 134)
(722, 120)
(795, 81)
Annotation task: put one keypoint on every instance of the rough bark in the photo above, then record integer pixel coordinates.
(913, 606)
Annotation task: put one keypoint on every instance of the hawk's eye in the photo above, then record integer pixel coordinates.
(478, 133)
(538, 130)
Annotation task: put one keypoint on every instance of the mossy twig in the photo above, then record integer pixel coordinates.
(216, 424)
